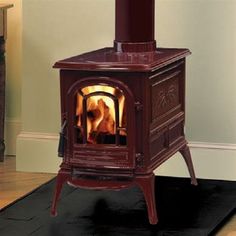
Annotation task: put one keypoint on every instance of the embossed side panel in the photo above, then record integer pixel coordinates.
(165, 139)
(165, 95)
(167, 91)
(158, 142)
(176, 132)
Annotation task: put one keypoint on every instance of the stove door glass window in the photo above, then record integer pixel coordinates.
(100, 116)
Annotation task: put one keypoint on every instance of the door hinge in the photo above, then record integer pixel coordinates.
(138, 106)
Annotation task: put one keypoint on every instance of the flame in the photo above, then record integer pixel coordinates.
(100, 111)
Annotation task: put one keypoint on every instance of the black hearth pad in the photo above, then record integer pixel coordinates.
(183, 210)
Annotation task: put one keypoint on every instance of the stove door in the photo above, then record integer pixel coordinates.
(101, 124)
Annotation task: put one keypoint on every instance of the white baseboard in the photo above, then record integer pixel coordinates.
(221, 146)
(211, 161)
(37, 152)
(12, 129)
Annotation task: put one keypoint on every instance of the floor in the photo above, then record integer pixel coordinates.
(14, 185)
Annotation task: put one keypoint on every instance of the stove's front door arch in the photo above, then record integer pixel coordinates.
(101, 123)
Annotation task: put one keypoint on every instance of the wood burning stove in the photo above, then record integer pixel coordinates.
(122, 109)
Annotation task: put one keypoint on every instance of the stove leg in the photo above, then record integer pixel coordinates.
(185, 152)
(147, 184)
(62, 176)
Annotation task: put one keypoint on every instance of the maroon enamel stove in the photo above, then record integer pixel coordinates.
(123, 109)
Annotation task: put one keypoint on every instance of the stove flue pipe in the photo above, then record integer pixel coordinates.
(135, 23)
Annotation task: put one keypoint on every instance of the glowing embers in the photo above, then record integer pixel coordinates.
(100, 116)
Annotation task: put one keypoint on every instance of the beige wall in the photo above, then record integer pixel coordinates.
(13, 80)
(57, 29)
(207, 27)
(54, 30)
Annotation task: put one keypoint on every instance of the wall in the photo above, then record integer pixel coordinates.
(57, 29)
(208, 29)
(53, 30)
(13, 78)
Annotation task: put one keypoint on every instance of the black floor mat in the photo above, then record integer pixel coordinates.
(183, 210)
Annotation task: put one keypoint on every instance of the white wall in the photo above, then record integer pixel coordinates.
(57, 29)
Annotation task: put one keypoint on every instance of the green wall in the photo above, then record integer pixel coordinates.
(53, 30)
(207, 27)
(56, 29)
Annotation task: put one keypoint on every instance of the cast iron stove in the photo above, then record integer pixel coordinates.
(123, 109)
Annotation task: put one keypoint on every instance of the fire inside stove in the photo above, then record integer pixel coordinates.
(101, 115)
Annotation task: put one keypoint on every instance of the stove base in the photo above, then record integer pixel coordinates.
(145, 182)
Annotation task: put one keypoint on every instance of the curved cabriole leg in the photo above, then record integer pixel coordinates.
(185, 152)
(62, 176)
(147, 184)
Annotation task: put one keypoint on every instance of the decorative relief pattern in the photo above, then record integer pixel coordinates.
(165, 96)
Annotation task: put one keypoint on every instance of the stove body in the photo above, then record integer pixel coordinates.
(145, 87)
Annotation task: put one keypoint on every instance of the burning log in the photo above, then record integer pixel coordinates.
(106, 138)
(107, 124)
(101, 119)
